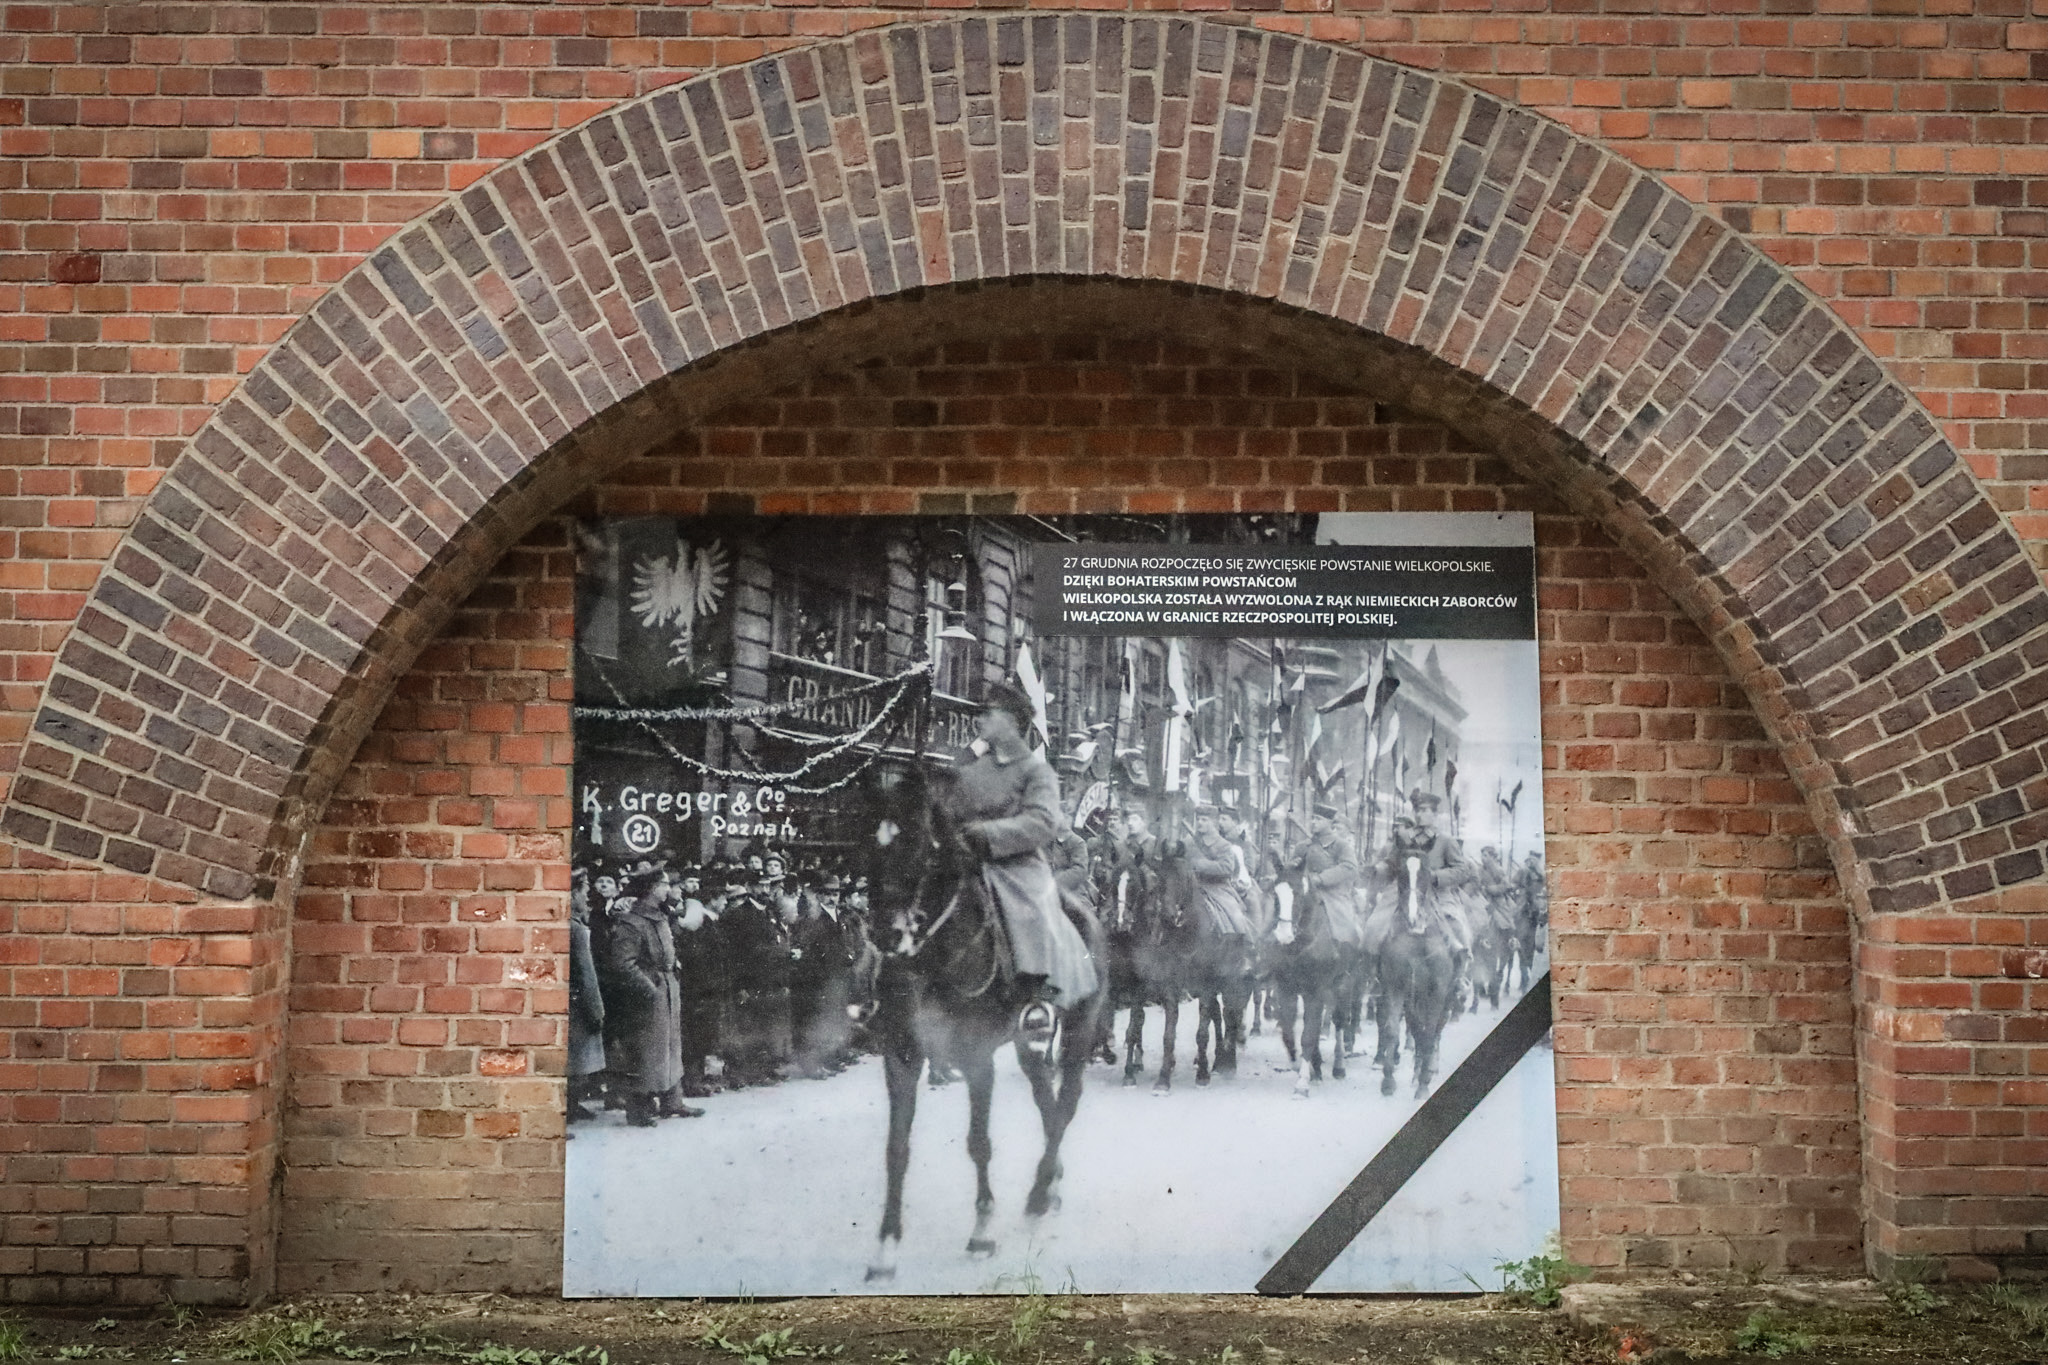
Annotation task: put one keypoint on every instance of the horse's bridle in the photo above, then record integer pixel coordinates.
(918, 939)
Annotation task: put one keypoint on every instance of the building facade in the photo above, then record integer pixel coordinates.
(326, 321)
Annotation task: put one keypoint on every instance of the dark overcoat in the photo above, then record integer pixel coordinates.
(643, 1002)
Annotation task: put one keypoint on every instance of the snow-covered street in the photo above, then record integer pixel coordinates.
(779, 1190)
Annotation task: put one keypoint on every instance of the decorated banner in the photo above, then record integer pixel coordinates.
(1118, 904)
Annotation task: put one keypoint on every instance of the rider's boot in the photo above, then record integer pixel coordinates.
(1037, 1020)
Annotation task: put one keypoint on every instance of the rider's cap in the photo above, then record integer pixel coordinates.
(1423, 799)
(1000, 696)
(1325, 809)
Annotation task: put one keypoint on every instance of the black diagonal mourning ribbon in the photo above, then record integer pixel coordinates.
(1452, 1103)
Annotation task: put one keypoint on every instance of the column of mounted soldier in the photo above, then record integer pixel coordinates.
(689, 980)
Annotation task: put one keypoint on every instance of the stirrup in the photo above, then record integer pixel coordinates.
(1036, 1024)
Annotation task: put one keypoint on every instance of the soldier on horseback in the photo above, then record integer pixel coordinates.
(1441, 868)
(1006, 802)
(1130, 868)
(1221, 877)
(1418, 939)
(960, 865)
(1329, 867)
(1318, 935)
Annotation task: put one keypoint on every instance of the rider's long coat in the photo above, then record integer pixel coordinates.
(1330, 868)
(1015, 808)
(1220, 880)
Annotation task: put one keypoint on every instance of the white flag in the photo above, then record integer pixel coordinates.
(1177, 723)
(1034, 688)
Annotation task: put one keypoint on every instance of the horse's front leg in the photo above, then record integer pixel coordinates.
(1056, 1109)
(1343, 1022)
(1425, 1052)
(1105, 1035)
(1208, 1010)
(1287, 1004)
(1394, 1007)
(1315, 1002)
(900, 1069)
(1134, 1042)
(1235, 999)
(981, 1084)
(1170, 1007)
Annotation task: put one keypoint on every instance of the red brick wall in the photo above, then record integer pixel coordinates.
(136, 1090)
(424, 1120)
(1708, 1102)
(178, 181)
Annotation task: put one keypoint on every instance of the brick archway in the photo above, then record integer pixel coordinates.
(532, 329)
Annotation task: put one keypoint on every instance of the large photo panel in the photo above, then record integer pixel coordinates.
(1110, 904)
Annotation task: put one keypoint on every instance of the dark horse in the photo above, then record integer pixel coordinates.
(1149, 932)
(1416, 974)
(1489, 910)
(941, 995)
(1311, 969)
(1162, 951)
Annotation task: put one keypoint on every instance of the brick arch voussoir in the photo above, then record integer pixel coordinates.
(533, 330)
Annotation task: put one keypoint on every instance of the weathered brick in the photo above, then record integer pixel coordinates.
(1445, 218)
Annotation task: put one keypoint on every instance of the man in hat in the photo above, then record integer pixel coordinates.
(586, 1002)
(1129, 868)
(757, 953)
(1006, 803)
(700, 966)
(1328, 864)
(818, 986)
(1220, 877)
(643, 1002)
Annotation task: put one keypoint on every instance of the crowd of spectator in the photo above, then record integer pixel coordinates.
(685, 981)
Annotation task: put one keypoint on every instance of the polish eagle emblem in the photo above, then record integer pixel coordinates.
(678, 593)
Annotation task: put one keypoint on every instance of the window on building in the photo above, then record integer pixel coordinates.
(830, 611)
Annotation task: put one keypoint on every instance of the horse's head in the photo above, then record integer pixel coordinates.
(1168, 889)
(915, 856)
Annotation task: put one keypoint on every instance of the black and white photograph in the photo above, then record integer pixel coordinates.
(984, 904)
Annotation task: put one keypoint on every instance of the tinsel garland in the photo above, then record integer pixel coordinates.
(837, 746)
(755, 711)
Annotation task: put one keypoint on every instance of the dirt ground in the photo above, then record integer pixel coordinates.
(1840, 1323)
